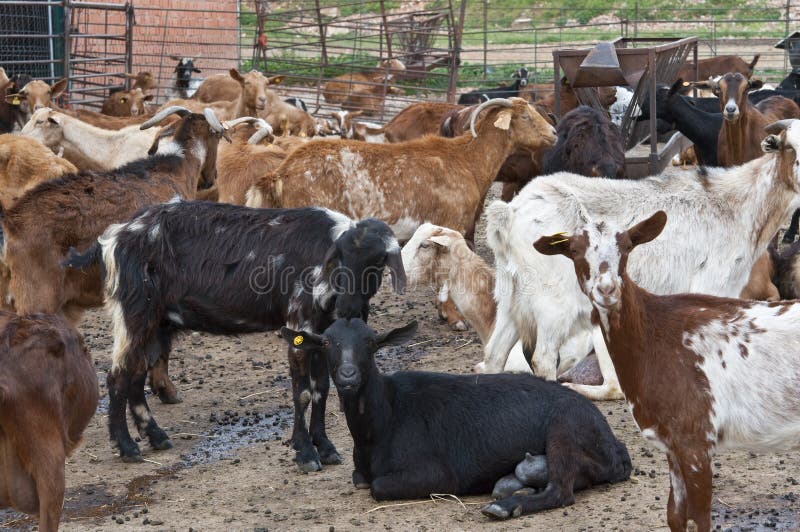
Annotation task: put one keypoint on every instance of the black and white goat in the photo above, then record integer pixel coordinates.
(185, 86)
(505, 91)
(417, 433)
(227, 269)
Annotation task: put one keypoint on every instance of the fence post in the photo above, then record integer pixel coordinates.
(322, 36)
(786, 34)
(636, 19)
(459, 29)
(128, 41)
(388, 35)
(67, 43)
(485, 36)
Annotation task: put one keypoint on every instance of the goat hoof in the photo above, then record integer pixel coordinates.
(169, 398)
(330, 458)
(310, 466)
(360, 481)
(459, 326)
(133, 458)
(161, 445)
(496, 511)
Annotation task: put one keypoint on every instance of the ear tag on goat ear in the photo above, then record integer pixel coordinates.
(686, 83)
(298, 340)
(503, 119)
(15, 101)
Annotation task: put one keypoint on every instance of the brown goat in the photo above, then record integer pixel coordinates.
(127, 103)
(338, 89)
(743, 126)
(717, 66)
(220, 87)
(368, 99)
(143, 80)
(25, 162)
(251, 99)
(74, 210)
(429, 179)
(35, 95)
(48, 395)
(418, 119)
(285, 118)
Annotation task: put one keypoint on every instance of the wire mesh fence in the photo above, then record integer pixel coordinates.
(448, 46)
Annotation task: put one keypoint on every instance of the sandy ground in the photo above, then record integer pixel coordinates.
(231, 467)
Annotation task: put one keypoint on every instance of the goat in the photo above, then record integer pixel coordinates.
(221, 87)
(11, 117)
(285, 118)
(108, 122)
(622, 100)
(143, 80)
(430, 179)
(23, 164)
(417, 433)
(185, 86)
(126, 103)
(242, 162)
(36, 95)
(73, 210)
(86, 146)
(728, 217)
(743, 125)
(477, 96)
(220, 276)
(253, 97)
(759, 285)
(698, 371)
(338, 89)
(440, 257)
(588, 144)
(718, 66)
(48, 394)
(297, 102)
(369, 99)
(417, 120)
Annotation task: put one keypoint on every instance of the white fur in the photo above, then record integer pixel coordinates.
(709, 245)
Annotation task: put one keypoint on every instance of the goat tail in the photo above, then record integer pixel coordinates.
(81, 261)
(499, 217)
(753, 62)
(254, 197)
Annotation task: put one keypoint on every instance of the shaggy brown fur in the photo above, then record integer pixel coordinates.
(48, 394)
(127, 103)
(717, 66)
(338, 89)
(223, 87)
(418, 119)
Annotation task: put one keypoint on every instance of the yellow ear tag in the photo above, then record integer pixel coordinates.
(297, 340)
(559, 241)
(503, 119)
(686, 83)
(15, 101)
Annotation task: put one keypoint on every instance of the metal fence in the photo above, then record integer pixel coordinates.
(449, 45)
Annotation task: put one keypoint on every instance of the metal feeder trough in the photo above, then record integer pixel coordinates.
(641, 64)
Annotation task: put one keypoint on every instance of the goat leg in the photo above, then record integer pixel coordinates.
(49, 476)
(320, 383)
(427, 477)
(119, 383)
(142, 416)
(306, 456)
(160, 382)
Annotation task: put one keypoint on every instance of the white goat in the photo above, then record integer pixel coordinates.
(86, 146)
(724, 219)
(439, 257)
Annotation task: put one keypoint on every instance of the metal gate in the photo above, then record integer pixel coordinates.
(86, 41)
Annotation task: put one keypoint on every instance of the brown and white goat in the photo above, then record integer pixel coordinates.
(339, 88)
(440, 257)
(74, 210)
(743, 125)
(433, 179)
(698, 371)
(48, 394)
(220, 87)
(127, 103)
(285, 118)
(36, 95)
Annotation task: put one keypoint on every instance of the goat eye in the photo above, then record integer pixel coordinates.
(424, 245)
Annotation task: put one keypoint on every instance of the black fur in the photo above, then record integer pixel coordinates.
(417, 433)
(506, 91)
(588, 144)
(297, 102)
(790, 82)
(227, 269)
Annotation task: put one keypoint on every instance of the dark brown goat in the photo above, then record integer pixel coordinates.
(75, 209)
(418, 119)
(717, 66)
(588, 144)
(48, 394)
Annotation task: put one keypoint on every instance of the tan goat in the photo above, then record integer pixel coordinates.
(337, 89)
(220, 87)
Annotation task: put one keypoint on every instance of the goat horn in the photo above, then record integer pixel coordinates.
(776, 127)
(502, 102)
(264, 130)
(230, 124)
(164, 113)
(213, 121)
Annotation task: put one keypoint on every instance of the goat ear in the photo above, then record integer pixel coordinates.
(755, 84)
(647, 230)
(771, 144)
(54, 120)
(676, 87)
(14, 99)
(503, 119)
(166, 132)
(557, 244)
(394, 261)
(328, 262)
(235, 74)
(440, 240)
(197, 70)
(58, 87)
(303, 339)
(149, 97)
(397, 336)
(274, 80)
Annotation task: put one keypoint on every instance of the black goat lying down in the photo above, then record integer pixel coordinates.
(417, 433)
(227, 269)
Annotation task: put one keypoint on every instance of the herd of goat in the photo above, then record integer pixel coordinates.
(295, 233)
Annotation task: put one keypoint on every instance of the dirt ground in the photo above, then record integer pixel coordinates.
(231, 467)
